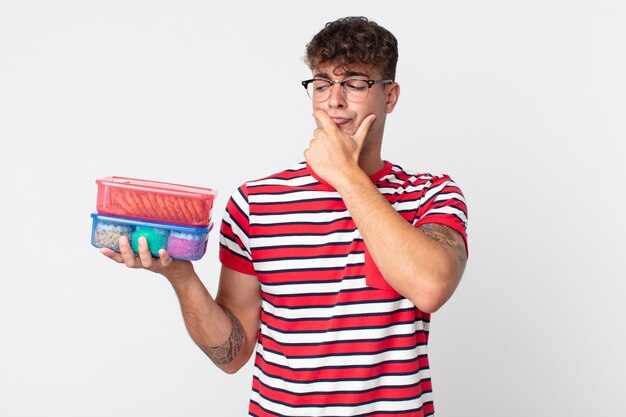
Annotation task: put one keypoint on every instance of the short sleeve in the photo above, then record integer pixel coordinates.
(443, 203)
(234, 234)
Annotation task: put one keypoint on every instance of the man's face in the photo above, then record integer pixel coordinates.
(348, 115)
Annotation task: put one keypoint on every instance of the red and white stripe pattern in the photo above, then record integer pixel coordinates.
(330, 344)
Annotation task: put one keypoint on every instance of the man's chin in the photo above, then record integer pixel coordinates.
(348, 129)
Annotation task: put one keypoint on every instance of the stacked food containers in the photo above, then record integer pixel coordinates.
(173, 217)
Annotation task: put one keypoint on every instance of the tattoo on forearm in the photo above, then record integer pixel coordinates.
(447, 236)
(226, 352)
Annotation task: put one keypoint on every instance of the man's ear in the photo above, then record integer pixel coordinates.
(392, 97)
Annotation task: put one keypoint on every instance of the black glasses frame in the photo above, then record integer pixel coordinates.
(370, 83)
(342, 83)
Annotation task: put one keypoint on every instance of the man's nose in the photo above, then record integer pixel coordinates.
(337, 98)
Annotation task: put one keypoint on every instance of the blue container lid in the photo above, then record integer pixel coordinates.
(135, 222)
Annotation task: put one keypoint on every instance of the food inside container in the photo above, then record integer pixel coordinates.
(107, 235)
(184, 245)
(181, 242)
(156, 238)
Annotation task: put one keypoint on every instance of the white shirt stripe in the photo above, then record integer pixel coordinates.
(338, 310)
(341, 411)
(322, 217)
(299, 196)
(297, 240)
(317, 288)
(343, 360)
(309, 263)
(346, 385)
(340, 335)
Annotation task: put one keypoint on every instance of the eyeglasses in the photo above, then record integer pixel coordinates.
(354, 89)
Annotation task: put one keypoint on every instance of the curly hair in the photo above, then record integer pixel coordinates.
(354, 40)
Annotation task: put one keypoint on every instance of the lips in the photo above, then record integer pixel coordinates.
(340, 120)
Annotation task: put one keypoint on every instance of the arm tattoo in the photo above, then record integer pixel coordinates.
(226, 352)
(447, 236)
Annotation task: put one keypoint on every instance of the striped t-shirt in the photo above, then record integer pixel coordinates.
(335, 339)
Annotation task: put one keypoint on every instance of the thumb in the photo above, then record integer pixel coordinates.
(322, 119)
(361, 133)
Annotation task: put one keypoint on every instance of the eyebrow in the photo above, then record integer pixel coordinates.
(346, 74)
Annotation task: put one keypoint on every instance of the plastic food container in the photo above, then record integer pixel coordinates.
(155, 201)
(181, 242)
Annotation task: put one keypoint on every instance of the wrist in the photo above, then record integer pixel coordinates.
(183, 280)
(352, 181)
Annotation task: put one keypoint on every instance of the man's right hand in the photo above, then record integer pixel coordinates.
(173, 269)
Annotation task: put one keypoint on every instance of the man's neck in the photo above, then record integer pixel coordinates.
(371, 165)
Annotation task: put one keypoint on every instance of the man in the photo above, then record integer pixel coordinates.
(330, 269)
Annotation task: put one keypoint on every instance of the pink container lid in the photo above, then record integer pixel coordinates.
(155, 200)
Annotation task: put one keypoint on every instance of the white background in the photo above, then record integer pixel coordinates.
(523, 103)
